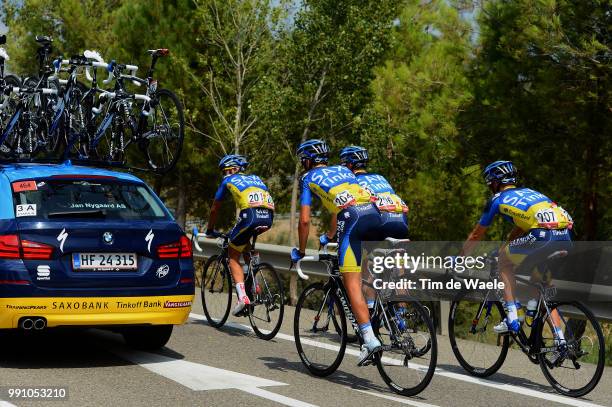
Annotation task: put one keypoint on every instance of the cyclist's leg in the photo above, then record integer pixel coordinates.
(239, 238)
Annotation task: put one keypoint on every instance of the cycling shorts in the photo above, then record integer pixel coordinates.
(251, 222)
(356, 224)
(530, 252)
(394, 224)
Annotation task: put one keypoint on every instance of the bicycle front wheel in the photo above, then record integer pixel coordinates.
(410, 349)
(216, 291)
(479, 350)
(574, 363)
(267, 309)
(163, 139)
(319, 342)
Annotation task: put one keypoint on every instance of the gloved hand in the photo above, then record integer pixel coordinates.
(324, 239)
(296, 255)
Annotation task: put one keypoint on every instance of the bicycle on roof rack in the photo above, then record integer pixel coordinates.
(154, 121)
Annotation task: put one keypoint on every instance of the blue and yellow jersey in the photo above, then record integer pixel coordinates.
(249, 191)
(386, 198)
(336, 186)
(527, 209)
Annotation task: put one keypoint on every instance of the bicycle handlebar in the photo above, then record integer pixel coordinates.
(298, 268)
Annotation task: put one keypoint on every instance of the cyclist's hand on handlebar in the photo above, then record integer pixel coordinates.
(296, 255)
(324, 240)
(211, 234)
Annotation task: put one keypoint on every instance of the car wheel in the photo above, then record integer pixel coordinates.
(147, 337)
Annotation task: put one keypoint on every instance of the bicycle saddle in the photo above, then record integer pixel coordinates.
(161, 52)
(44, 39)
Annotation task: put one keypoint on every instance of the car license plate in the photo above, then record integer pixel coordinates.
(104, 261)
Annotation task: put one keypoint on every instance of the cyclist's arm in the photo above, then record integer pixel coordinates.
(333, 226)
(304, 227)
(212, 218)
(514, 233)
(480, 230)
(475, 236)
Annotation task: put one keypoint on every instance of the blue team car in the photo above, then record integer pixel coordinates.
(83, 246)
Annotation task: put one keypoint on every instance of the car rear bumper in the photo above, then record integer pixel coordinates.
(97, 311)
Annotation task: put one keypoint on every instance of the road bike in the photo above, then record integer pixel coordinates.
(572, 366)
(154, 121)
(403, 325)
(263, 286)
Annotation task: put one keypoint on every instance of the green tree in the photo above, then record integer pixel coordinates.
(420, 91)
(542, 97)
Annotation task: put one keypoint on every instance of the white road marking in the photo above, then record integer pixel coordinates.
(201, 377)
(440, 372)
(6, 404)
(404, 400)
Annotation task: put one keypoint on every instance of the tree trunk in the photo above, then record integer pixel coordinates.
(181, 207)
(293, 294)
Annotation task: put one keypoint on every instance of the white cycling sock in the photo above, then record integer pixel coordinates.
(240, 291)
(512, 314)
(367, 332)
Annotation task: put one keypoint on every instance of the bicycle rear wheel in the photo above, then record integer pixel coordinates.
(573, 368)
(479, 350)
(268, 298)
(319, 343)
(163, 139)
(410, 354)
(216, 291)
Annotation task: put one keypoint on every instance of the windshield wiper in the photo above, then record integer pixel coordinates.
(96, 213)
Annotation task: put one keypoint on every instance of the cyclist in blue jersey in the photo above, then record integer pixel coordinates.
(393, 209)
(354, 218)
(256, 214)
(538, 222)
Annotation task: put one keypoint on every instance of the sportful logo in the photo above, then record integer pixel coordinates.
(149, 238)
(62, 239)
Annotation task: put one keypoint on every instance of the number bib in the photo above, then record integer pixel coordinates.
(260, 198)
(344, 199)
(256, 198)
(547, 218)
(386, 203)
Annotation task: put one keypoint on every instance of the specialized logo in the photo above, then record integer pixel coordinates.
(149, 238)
(162, 271)
(62, 239)
(108, 238)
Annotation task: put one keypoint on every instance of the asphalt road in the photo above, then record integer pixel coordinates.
(209, 367)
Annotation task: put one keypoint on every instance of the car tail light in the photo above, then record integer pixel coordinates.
(9, 247)
(12, 248)
(36, 251)
(181, 249)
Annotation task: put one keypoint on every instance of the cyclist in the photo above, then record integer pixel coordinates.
(354, 218)
(256, 214)
(392, 208)
(537, 220)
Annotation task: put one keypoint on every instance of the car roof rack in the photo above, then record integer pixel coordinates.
(82, 162)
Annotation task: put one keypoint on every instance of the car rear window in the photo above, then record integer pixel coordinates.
(50, 199)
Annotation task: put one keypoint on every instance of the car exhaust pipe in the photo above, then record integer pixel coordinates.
(40, 324)
(27, 324)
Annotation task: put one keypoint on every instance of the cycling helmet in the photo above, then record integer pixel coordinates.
(233, 160)
(315, 150)
(503, 171)
(356, 155)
